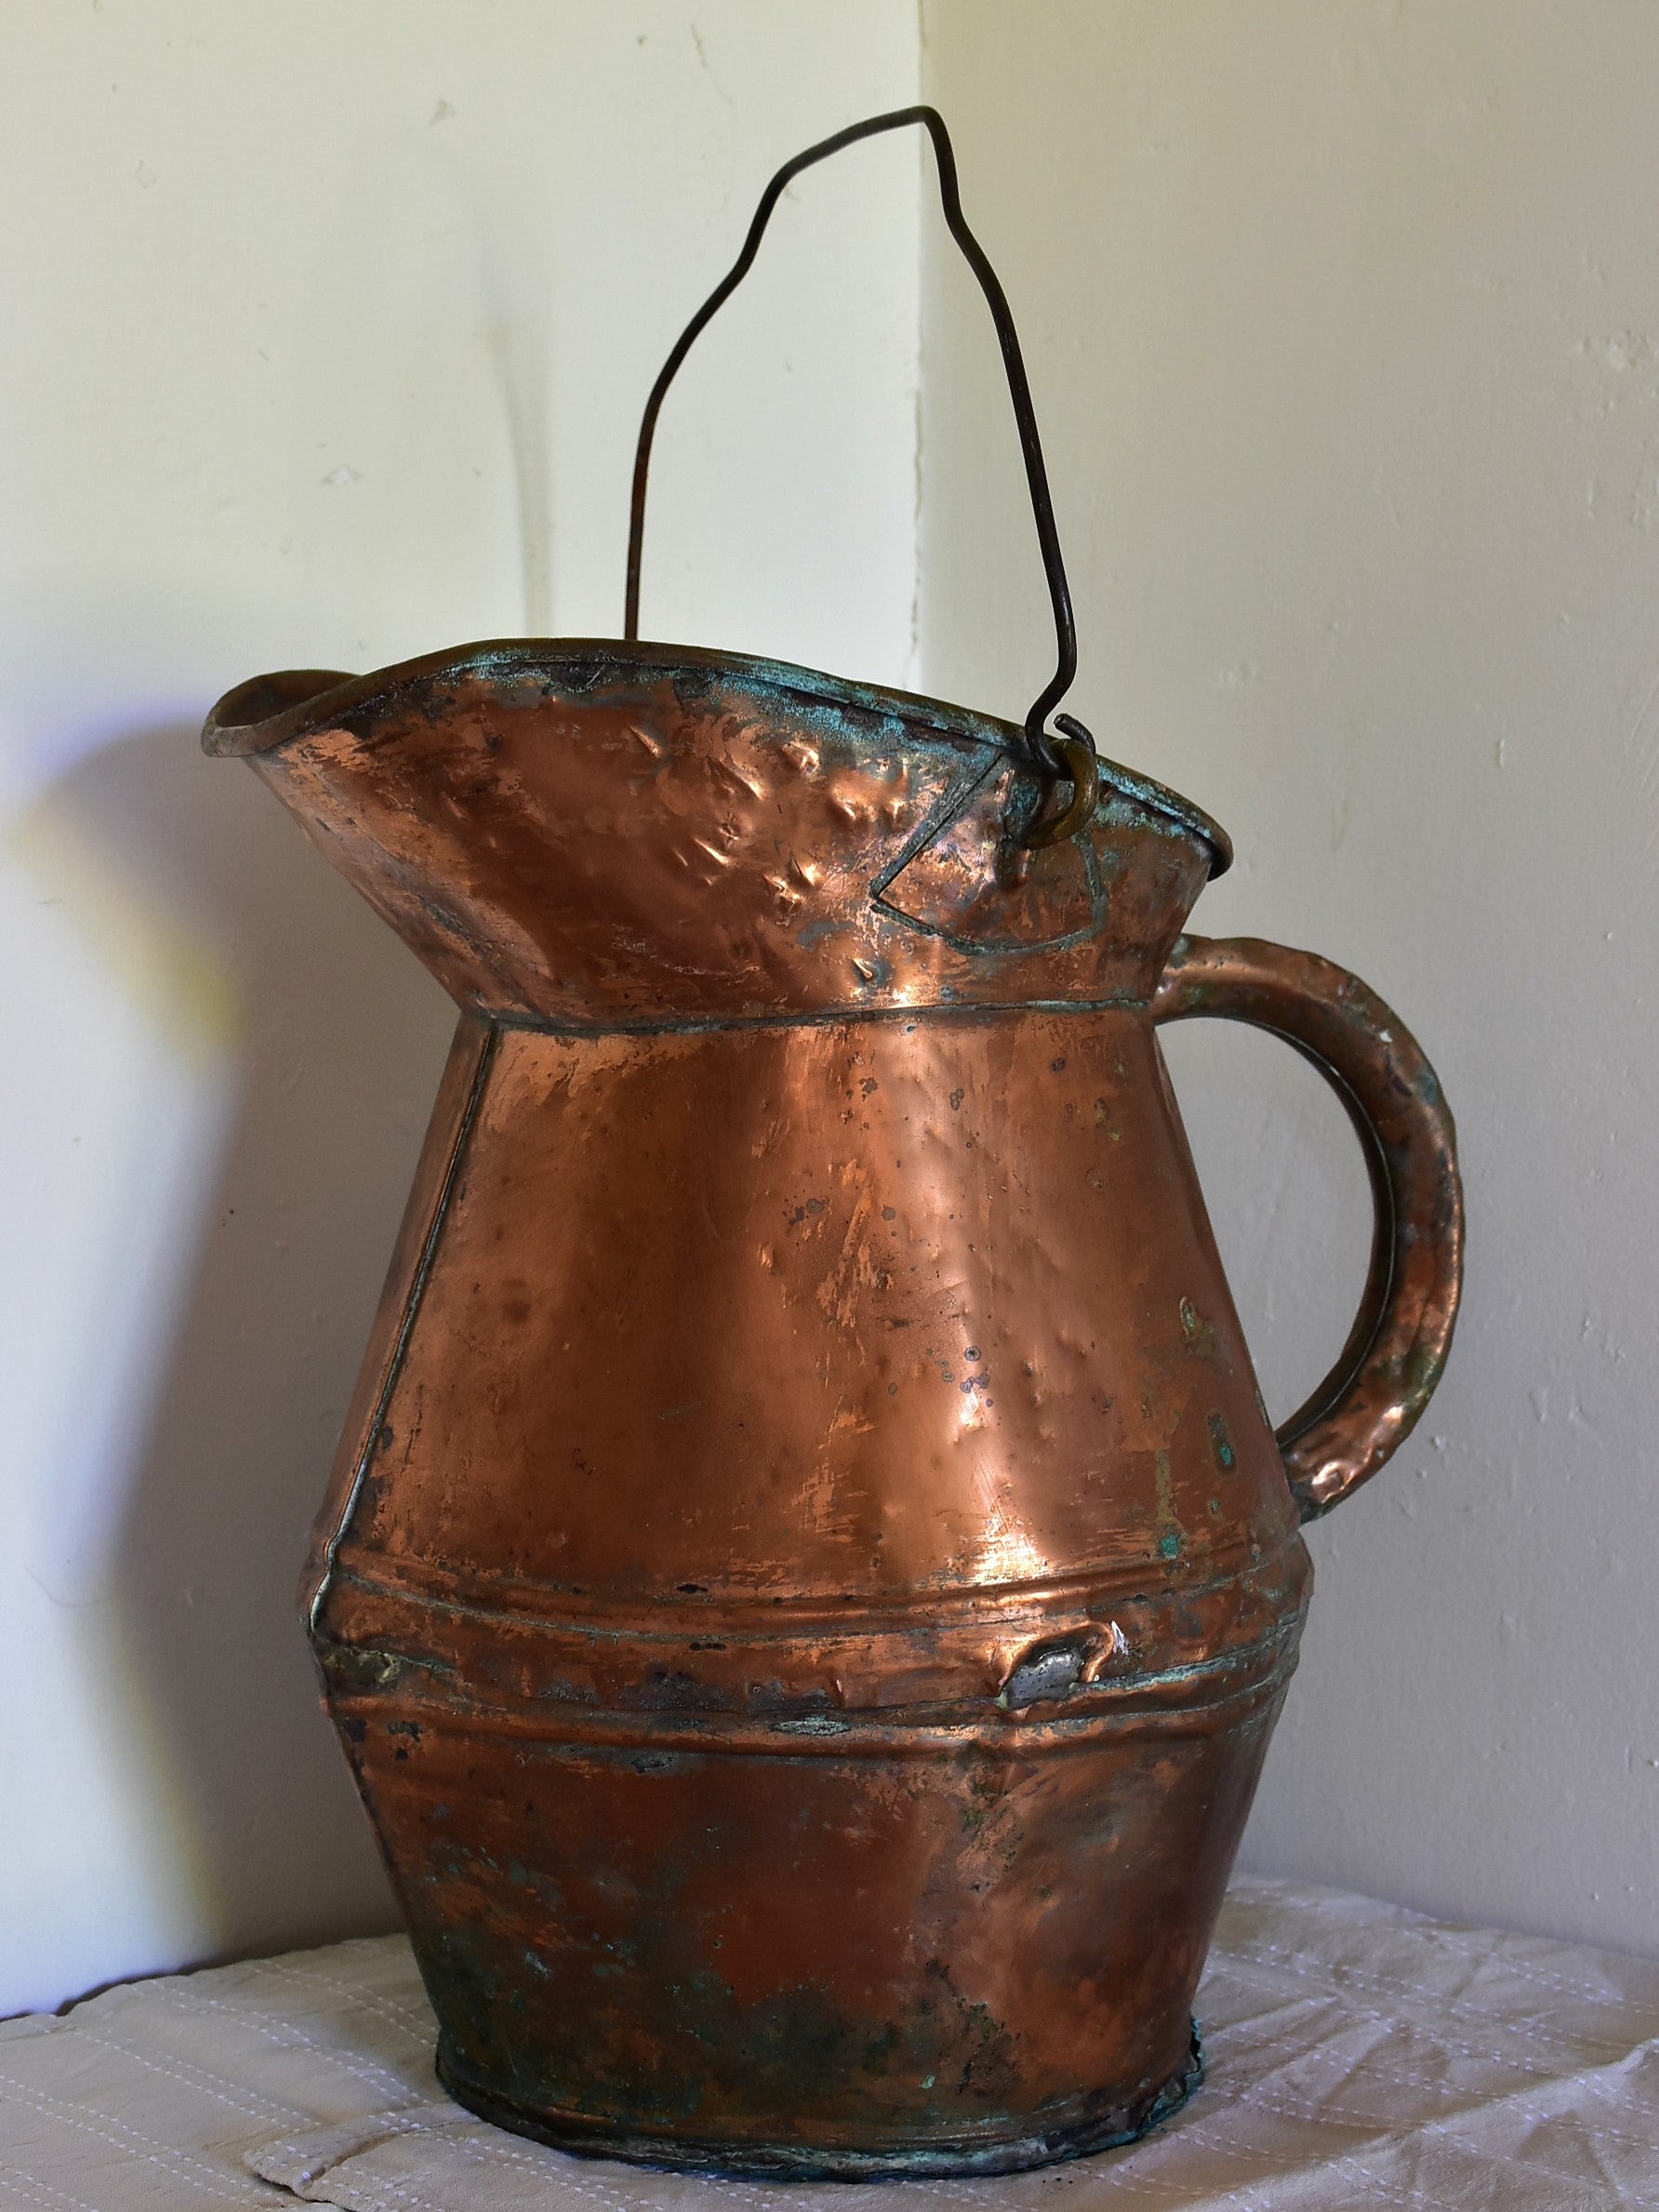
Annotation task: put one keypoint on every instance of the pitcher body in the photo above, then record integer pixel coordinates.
(808, 1580)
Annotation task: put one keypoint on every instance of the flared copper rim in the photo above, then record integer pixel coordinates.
(271, 711)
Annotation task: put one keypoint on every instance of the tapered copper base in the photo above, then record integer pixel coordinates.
(1101, 2123)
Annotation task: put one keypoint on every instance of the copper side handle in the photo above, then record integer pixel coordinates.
(1373, 1396)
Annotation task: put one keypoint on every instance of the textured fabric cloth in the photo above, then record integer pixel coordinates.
(1357, 2055)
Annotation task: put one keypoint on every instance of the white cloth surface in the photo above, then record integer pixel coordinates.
(1359, 2056)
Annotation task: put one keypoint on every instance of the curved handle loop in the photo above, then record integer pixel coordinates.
(1386, 1372)
(1056, 762)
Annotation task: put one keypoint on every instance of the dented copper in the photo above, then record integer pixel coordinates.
(808, 1579)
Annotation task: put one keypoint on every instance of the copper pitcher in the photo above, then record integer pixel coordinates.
(808, 1579)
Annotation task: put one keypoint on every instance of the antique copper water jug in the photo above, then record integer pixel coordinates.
(808, 1579)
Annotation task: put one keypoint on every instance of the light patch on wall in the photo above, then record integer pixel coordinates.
(124, 1034)
(386, 408)
(161, 970)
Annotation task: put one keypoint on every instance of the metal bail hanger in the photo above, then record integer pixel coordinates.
(1069, 758)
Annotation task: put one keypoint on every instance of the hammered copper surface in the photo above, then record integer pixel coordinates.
(808, 1579)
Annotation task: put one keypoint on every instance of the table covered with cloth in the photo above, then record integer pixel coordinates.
(1357, 2055)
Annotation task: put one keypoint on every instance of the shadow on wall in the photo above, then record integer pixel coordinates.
(338, 1038)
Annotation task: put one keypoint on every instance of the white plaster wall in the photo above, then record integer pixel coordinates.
(1344, 325)
(326, 329)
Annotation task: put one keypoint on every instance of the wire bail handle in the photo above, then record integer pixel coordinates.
(1070, 756)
